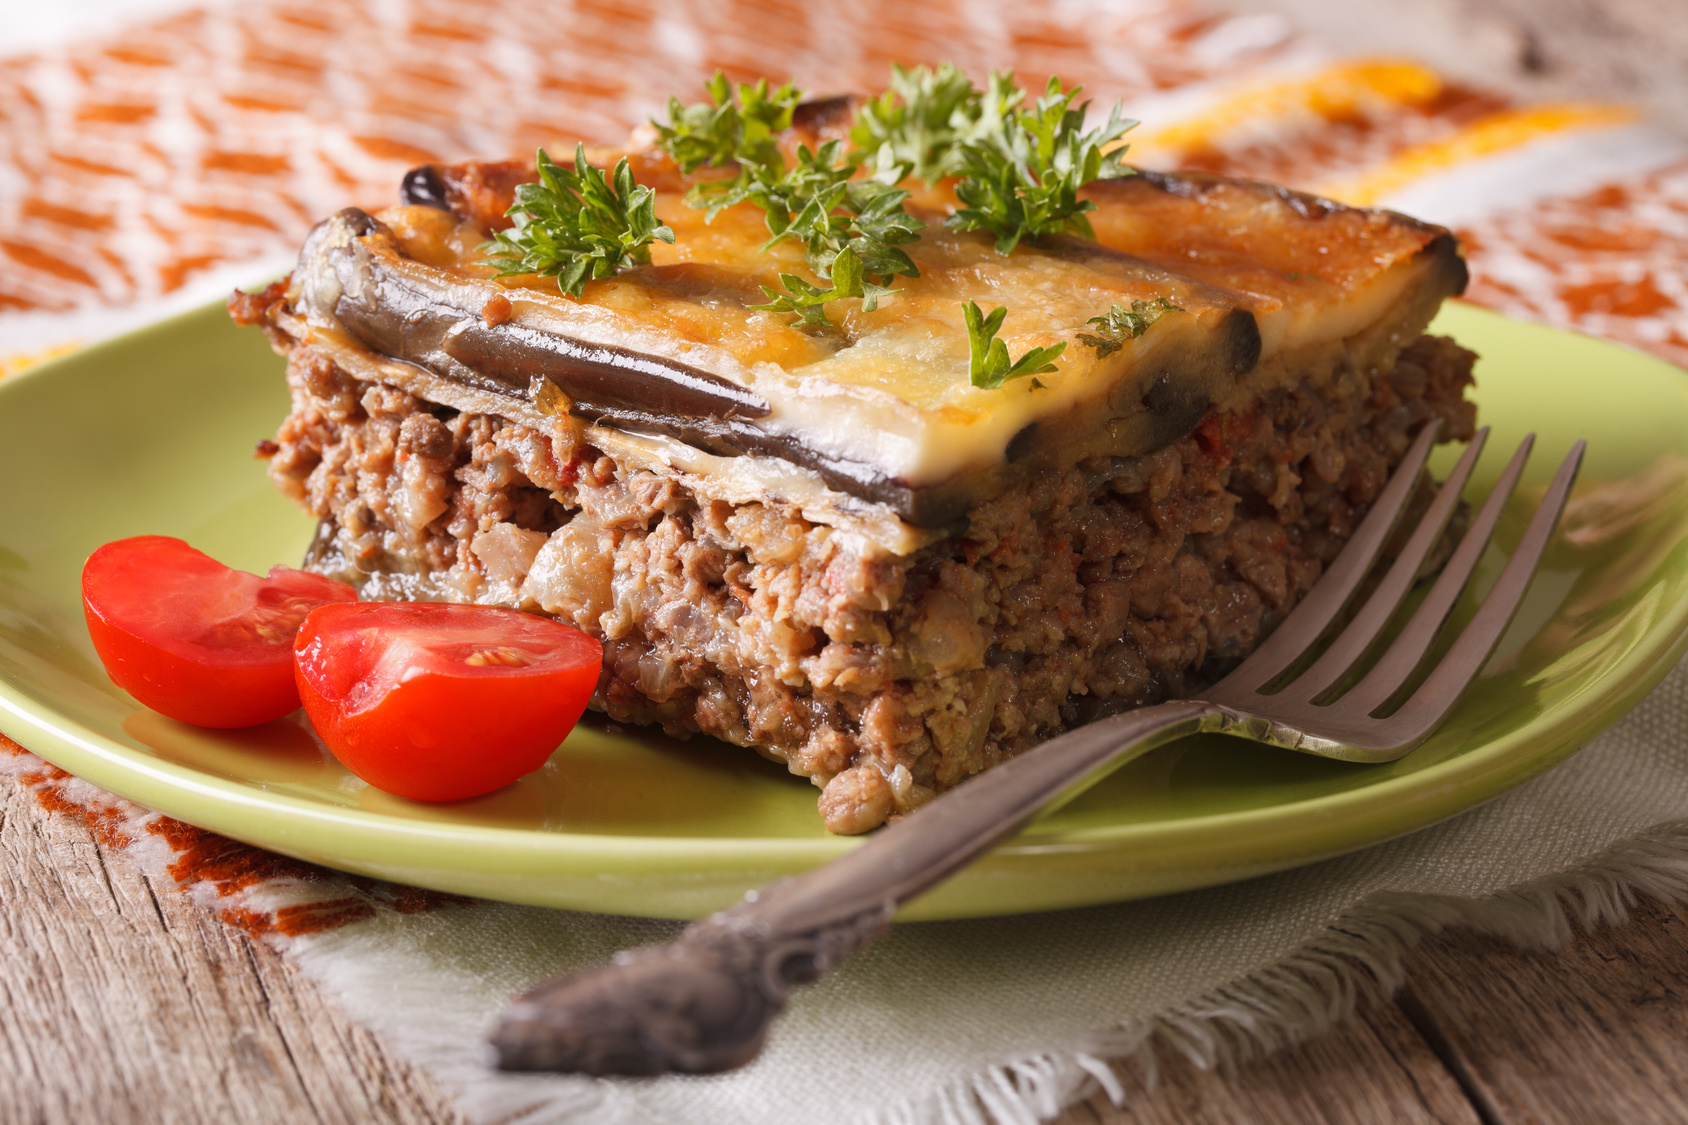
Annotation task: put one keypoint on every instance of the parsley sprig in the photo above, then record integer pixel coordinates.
(989, 364)
(806, 299)
(920, 123)
(720, 131)
(1122, 324)
(818, 204)
(575, 224)
(1021, 168)
(850, 228)
(1023, 172)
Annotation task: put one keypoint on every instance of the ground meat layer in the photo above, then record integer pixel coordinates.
(882, 678)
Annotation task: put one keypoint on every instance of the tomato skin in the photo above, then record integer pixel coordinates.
(194, 639)
(393, 689)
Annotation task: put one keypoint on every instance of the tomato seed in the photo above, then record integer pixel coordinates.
(502, 657)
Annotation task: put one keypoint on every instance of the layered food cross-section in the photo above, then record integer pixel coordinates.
(828, 543)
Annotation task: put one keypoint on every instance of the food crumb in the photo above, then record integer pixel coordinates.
(496, 311)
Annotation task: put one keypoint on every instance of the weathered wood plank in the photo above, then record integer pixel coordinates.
(124, 1002)
(1597, 1032)
(121, 1003)
(1374, 1068)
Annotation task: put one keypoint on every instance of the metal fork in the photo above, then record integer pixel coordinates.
(703, 1002)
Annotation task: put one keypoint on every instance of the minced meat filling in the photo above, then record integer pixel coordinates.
(882, 678)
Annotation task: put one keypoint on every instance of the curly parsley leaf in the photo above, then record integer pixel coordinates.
(989, 364)
(819, 205)
(742, 132)
(919, 123)
(575, 224)
(851, 249)
(1122, 324)
(721, 131)
(817, 201)
(806, 299)
(1023, 170)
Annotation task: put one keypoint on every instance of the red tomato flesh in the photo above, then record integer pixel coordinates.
(441, 702)
(193, 639)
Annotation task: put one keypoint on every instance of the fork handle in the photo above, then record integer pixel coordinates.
(703, 1002)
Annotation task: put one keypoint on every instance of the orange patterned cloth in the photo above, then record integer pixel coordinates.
(133, 165)
(1612, 262)
(222, 135)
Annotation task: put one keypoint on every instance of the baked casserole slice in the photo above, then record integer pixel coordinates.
(828, 543)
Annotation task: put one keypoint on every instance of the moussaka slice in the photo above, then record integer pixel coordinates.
(825, 541)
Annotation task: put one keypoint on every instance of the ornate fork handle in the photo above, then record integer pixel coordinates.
(703, 1002)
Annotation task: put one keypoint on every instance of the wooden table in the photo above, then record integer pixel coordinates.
(116, 994)
(122, 1001)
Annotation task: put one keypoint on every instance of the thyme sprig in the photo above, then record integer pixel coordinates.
(989, 365)
(1023, 170)
(1122, 324)
(575, 224)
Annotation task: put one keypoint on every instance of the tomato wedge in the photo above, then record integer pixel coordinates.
(194, 639)
(441, 702)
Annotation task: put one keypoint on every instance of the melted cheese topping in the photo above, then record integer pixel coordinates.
(890, 389)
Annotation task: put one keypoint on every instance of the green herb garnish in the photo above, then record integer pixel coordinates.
(1022, 169)
(719, 131)
(990, 366)
(850, 230)
(920, 123)
(1025, 166)
(805, 299)
(1122, 324)
(843, 223)
(805, 205)
(575, 224)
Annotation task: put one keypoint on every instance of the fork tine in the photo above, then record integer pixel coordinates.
(1404, 654)
(1358, 635)
(1319, 608)
(1427, 706)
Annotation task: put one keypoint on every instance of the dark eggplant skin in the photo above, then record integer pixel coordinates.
(399, 317)
(601, 379)
(479, 191)
(423, 186)
(823, 119)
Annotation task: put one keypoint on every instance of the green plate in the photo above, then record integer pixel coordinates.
(154, 432)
